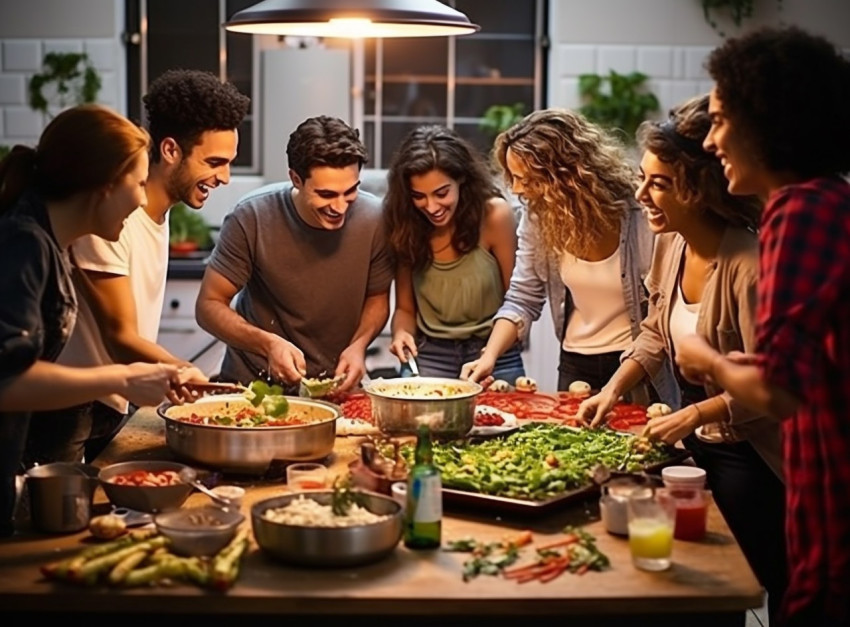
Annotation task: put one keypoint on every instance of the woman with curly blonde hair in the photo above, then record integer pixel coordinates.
(583, 245)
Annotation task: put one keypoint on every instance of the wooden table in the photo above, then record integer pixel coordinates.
(709, 583)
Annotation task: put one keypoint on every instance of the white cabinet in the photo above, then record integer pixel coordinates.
(180, 334)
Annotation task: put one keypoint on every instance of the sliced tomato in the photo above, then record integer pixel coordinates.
(524, 405)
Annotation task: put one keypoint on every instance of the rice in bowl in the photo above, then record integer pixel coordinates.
(306, 512)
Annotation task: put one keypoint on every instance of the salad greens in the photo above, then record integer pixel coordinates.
(537, 462)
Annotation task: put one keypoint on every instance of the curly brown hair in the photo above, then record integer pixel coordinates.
(184, 104)
(324, 141)
(788, 92)
(578, 183)
(699, 174)
(423, 150)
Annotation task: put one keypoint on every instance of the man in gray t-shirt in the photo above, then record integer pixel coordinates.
(310, 263)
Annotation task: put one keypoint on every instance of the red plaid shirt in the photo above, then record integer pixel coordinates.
(803, 337)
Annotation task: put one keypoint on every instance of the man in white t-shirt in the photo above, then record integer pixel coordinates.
(192, 119)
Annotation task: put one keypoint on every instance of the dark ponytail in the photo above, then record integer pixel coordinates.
(17, 173)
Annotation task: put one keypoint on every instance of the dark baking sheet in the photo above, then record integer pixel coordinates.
(503, 504)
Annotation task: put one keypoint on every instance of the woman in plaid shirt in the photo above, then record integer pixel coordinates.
(781, 129)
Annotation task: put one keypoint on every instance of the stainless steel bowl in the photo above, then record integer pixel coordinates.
(199, 530)
(400, 405)
(150, 499)
(328, 546)
(249, 449)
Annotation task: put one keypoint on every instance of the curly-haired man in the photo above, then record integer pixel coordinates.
(192, 119)
(310, 262)
(781, 129)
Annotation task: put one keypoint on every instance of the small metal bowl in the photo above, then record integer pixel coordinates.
(199, 530)
(151, 499)
(328, 546)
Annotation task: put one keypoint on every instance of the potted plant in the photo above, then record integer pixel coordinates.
(188, 231)
(67, 77)
(617, 101)
(738, 11)
(498, 118)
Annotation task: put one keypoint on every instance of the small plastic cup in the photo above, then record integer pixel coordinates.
(691, 513)
(233, 493)
(307, 476)
(398, 491)
(683, 477)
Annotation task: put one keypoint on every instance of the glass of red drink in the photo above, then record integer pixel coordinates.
(691, 513)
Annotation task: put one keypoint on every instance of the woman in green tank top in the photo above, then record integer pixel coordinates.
(454, 237)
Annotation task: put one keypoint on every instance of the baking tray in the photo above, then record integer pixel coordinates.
(525, 507)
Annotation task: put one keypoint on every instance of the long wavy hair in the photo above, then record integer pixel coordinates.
(699, 174)
(82, 149)
(578, 181)
(423, 150)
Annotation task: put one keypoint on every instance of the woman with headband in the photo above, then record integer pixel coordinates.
(703, 280)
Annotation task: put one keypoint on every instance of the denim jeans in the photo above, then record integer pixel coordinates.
(445, 358)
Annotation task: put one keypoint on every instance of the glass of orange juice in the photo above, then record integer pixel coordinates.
(652, 518)
(307, 476)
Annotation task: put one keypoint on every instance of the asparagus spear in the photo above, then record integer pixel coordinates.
(122, 568)
(89, 571)
(225, 566)
(150, 574)
(63, 569)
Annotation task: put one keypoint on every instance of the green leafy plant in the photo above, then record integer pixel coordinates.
(188, 226)
(617, 101)
(71, 74)
(737, 10)
(4, 150)
(499, 118)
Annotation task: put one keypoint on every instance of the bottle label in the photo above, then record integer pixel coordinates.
(428, 496)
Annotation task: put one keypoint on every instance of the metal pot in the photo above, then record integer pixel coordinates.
(400, 405)
(61, 496)
(249, 449)
(328, 546)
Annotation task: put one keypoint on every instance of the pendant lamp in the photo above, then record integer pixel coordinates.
(351, 18)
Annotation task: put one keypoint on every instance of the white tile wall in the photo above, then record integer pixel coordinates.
(675, 72)
(21, 58)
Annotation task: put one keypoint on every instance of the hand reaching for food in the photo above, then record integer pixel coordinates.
(403, 344)
(672, 427)
(477, 370)
(286, 361)
(594, 410)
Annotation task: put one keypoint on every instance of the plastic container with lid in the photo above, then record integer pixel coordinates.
(683, 476)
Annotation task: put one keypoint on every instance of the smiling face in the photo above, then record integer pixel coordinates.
(657, 194)
(120, 199)
(323, 199)
(207, 166)
(740, 165)
(436, 195)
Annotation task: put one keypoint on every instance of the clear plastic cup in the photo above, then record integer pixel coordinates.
(307, 476)
(652, 518)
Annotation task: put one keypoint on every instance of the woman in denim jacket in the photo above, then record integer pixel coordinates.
(583, 245)
(703, 280)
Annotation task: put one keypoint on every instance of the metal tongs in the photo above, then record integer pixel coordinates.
(411, 363)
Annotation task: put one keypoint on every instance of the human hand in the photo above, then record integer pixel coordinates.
(594, 410)
(149, 384)
(403, 346)
(180, 392)
(694, 357)
(478, 370)
(742, 359)
(671, 428)
(286, 361)
(352, 364)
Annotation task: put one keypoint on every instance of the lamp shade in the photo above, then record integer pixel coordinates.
(351, 18)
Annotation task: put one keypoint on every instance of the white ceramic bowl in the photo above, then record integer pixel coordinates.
(683, 476)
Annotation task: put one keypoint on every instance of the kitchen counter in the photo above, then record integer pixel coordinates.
(188, 267)
(709, 583)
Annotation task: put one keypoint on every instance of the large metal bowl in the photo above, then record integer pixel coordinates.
(249, 450)
(328, 546)
(400, 405)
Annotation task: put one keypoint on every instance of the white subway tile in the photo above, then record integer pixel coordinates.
(13, 89)
(655, 61)
(22, 122)
(568, 96)
(577, 59)
(22, 55)
(63, 45)
(618, 58)
(694, 62)
(683, 90)
(103, 53)
(706, 86)
(662, 88)
(678, 63)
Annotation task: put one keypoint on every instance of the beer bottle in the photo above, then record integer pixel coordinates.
(424, 508)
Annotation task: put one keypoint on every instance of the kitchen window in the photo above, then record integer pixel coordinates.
(187, 34)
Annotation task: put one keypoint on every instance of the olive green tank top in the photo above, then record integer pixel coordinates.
(457, 300)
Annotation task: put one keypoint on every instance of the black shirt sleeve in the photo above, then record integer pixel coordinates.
(24, 259)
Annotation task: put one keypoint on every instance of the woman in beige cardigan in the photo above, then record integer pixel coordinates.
(703, 279)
